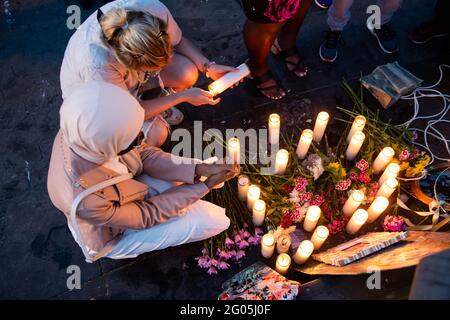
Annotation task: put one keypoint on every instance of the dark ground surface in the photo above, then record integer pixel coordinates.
(35, 244)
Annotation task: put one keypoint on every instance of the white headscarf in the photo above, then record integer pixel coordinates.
(98, 120)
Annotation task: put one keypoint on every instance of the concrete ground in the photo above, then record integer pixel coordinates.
(35, 245)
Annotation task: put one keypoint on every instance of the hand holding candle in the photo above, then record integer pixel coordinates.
(281, 161)
(319, 236)
(355, 145)
(377, 208)
(304, 143)
(353, 202)
(274, 129)
(259, 212)
(382, 160)
(283, 263)
(356, 221)
(304, 250)
(312, 216)
(320, 125)
(229, 79)
(357, 125)
(267, 245)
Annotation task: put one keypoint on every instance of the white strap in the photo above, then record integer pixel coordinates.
(76, 203)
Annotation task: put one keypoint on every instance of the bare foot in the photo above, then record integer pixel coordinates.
(270, 89)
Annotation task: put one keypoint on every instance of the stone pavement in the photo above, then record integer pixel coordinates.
(35, 245)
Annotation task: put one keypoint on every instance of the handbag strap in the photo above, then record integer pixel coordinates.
(76, 202)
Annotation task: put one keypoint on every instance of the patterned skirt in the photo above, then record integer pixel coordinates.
(270, 11)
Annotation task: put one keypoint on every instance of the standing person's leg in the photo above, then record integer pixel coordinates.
(337, 19)
(285, 43)
(439, 26)
(259, 38)
(339, 14)
(385, 35)
(388, 8)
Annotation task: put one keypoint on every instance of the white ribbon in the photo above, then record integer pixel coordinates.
(434, 208)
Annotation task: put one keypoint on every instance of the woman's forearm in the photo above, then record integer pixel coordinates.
(157, 106)
(188, 49)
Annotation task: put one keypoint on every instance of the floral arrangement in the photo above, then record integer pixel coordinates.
(324, 178)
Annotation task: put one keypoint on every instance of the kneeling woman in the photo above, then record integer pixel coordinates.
(137, 45)
(123, 197)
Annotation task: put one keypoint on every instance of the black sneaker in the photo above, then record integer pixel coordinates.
(386, 38)
(328, 49)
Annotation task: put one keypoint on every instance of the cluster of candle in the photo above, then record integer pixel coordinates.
(308, 135)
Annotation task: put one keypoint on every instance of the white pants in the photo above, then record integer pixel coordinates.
(200, 221)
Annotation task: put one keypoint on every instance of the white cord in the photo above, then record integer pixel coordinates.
(430, 92)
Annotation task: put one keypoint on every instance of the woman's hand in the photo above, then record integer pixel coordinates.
(198, 97)
(207, 170)
(222, 176)
(216, 71)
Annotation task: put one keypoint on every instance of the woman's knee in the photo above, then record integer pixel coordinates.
(188, 75)
(157, 134)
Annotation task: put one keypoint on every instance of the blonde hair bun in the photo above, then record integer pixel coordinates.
(138, 39)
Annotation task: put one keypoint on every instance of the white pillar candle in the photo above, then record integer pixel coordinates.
(320, 125)
(355, 145)
(388, 187)
(229, 79)
(274, 128)
(312, 216)
(357, 125)
(253, 194)
(319, 236)
(283, 263)
(356, 221)
(234, 150)
(381, 161)
(267, 245)
(243, 183)
(353, 202)
(281, 161)
(304, 250)
(283, 243)
(304, 143)
(377, 208)
(259, 212)
(391, 171)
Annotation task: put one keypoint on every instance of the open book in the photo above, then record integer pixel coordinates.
(259, 282)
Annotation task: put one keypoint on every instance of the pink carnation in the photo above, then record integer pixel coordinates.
(362, 165)
(364, 177)
(404, 155)
(343, 185)
(353, 176)
(336, 226)
(305, 196)
(318, 200)
(243, 244)
(394, 223)
(300, 184)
